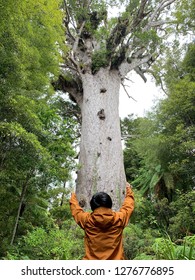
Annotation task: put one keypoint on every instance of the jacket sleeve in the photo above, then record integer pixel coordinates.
(77, 212)
(127, 207)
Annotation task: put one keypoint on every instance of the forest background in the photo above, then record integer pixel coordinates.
(39, 138)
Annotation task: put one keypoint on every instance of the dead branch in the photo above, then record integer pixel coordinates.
(140, 15)
(140, 72)
(124, 86)
(163, 4)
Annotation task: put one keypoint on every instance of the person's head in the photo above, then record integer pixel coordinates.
(100, 199)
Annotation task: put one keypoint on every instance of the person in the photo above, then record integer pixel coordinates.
(103, 227)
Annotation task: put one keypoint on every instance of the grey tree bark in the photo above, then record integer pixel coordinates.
(101, 156)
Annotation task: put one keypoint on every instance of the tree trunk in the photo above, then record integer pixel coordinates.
(101, 156)
(24, 188)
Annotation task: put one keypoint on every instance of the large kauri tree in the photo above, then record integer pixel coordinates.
(102, 51)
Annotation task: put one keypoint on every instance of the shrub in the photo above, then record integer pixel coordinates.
(138, 242)
(166, 249)
(54, 244)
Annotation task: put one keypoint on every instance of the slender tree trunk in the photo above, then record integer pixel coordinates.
(24, 188)
(101, 156)
(63, 195)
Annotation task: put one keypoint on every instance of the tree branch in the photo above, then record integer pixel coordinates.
(76, 43)
(163, 4)
(157, 23)
(124, 86)
(158, 78)
(140, 15)
(140, 72)
(126, 67)
(139, 56)
(73, 86)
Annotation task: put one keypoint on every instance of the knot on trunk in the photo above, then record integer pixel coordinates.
(82, 202)
(102, 90)
(101, 114)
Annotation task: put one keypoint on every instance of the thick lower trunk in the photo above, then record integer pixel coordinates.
(101, 156)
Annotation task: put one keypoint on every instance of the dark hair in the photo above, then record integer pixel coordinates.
(100, 199)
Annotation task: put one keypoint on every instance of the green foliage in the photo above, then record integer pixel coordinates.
(35, 138)
(182, 215)
(26, 59)
(146, 236)
(138, 242)
(176, 116)
(99, 59)
(185, 11)
(129, 128)
(165, 139)
(52, 244)
(164, 181)
(165, 249)
(189, 62)
(149, 38)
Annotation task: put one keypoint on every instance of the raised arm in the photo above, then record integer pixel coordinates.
(128, 204)
(77, 212)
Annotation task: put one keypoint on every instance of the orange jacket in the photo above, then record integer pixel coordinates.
(103, 228)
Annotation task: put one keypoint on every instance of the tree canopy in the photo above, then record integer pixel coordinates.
(130, 40)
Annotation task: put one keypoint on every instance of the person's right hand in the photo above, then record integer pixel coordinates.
(128, 185)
